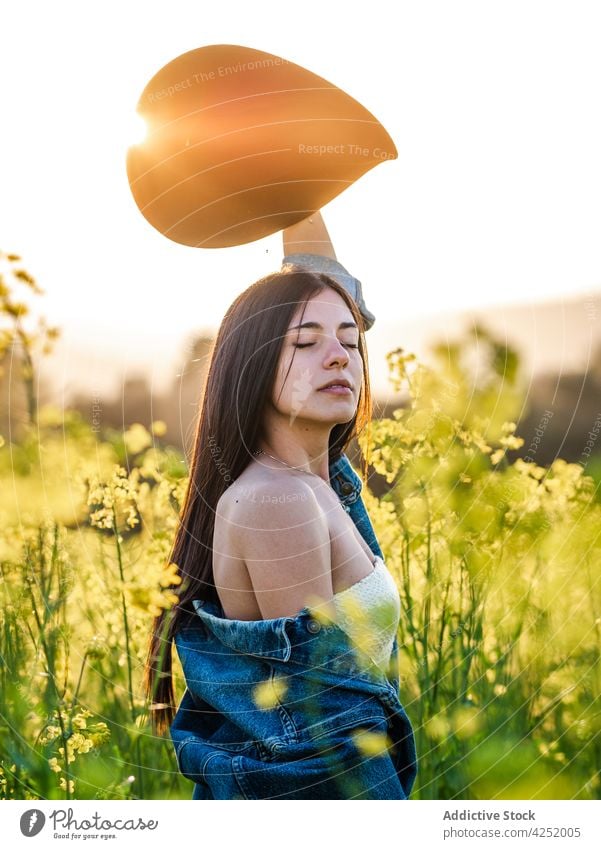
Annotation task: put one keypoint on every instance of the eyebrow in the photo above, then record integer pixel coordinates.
(314, 325)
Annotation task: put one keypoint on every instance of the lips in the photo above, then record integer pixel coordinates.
(337, 389)
(340, 382)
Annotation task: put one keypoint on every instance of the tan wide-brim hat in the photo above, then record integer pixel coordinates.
(241, 144)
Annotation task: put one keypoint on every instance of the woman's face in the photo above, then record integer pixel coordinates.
(324, 349)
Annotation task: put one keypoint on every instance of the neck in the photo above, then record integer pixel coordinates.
(306, 451)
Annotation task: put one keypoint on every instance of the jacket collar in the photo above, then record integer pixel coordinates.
(344, 480)
(266, 637)
(299, 639)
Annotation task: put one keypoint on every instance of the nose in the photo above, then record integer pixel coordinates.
(336, 353)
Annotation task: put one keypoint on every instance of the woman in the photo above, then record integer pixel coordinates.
(287, 616)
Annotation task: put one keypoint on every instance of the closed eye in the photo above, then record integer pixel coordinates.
(308, 345)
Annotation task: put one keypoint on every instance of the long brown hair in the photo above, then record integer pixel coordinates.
(239, 383)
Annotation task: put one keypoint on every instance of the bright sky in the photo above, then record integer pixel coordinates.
(495, 196)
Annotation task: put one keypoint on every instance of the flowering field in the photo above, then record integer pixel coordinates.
(496, 561)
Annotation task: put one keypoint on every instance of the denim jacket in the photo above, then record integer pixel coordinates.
(288, 708)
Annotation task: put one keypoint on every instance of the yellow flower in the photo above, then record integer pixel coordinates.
(318, 612)
(371, 743)
(268, 693)
(170, 576)
(63, 785)
(54, 765)
(438, 727)
(497, 455)
(137, 438)
(158, 428)
(512, 442)
(70, 754)
(51, 733)
(100, 733)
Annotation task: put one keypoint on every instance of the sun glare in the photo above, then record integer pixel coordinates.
(137, 130)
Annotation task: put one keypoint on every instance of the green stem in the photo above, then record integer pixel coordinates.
(125, 620)
(76, 694)
(128, 653)
(65, 737)
(28, 379)
(52, 678)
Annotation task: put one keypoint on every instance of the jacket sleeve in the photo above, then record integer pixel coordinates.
(194, 718)
(326, 265)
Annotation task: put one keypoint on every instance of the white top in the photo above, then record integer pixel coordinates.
(369, 612)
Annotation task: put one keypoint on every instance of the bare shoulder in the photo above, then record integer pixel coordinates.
(250, 498)
(261, 499)
(282, 535)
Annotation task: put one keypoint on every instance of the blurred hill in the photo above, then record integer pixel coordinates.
(559, 346)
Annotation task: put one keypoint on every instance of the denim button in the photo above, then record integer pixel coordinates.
(313, 626)
(346, 488)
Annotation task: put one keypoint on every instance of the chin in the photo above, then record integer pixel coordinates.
(332, 418)
(331, 411)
